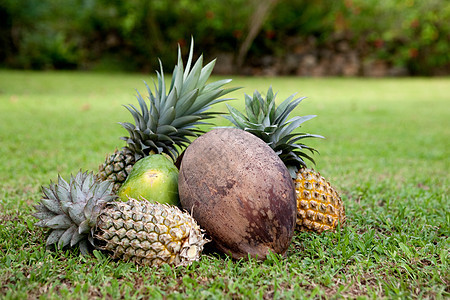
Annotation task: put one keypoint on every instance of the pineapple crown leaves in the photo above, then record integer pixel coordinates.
(70, 209)
(165, 125)
(271, 124)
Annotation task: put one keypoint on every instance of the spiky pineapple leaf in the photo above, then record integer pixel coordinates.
(66, 237)
(58, 222)
(52, 205)
(42, 214)
(193, 76)
(205, 74)
(76, 238)
(54, 236)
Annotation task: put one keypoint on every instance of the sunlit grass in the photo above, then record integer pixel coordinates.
(386, 149)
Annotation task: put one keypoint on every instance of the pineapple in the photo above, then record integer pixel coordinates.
(83, 212)
(165, 126)
(319, 206)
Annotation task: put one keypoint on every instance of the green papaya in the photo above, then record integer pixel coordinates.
(154, 178)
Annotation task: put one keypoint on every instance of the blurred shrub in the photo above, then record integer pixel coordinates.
(412, 34)
(409, 33)
(33, 38)
(132, 34)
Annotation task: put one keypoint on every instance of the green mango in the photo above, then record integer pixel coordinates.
(154, 178)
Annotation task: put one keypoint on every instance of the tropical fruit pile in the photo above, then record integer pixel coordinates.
(174, 187)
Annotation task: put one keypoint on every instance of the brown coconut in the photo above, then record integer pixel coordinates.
(240, 192)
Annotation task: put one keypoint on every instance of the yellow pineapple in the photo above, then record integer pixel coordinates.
(319, 206)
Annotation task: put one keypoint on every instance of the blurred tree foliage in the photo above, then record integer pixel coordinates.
(409, 33)
(131, 35)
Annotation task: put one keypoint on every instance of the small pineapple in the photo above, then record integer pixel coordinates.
(165, 126)
(319, 206)
(83, 212)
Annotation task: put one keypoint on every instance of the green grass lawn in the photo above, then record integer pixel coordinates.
(386, 150)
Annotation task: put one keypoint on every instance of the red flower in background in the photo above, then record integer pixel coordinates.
(413, 52)
(209, 14)
(379, 43)
(237, 33)
(415, 23)
(270, 34)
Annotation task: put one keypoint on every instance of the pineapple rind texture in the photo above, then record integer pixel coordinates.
(117, 167)
(319, 206)
(83, 212)
(150, 233)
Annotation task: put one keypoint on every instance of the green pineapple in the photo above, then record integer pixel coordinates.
(319, 206)
(83, 213)
(166, 125)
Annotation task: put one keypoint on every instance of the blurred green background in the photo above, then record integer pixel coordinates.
(265, 37)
